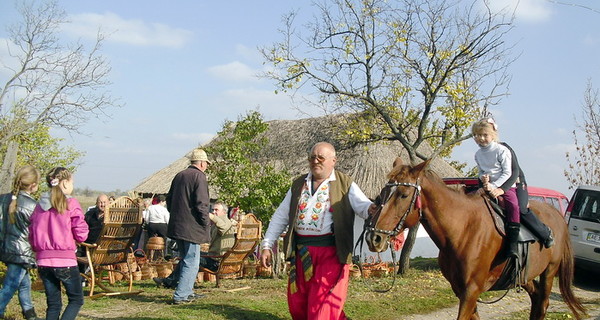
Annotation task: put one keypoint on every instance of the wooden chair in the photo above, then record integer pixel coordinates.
(231, 263)
(122, 222)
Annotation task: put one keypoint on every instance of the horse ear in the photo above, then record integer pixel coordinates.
(422, 166)
(397, 162)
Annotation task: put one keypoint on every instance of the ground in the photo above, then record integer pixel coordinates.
(587, 289)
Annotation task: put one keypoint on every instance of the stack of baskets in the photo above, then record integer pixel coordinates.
(374, 268)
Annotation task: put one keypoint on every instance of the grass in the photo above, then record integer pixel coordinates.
(422, 290)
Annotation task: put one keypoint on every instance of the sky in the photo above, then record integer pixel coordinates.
(182, 68)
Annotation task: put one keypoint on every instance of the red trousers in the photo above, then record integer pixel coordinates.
(324, 295)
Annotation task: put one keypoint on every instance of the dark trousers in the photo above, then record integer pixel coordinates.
(70, 278)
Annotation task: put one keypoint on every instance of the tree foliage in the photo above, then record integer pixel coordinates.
(584, 162)
(50, 83)
(40, 149)
(239, 178)
(416, 71)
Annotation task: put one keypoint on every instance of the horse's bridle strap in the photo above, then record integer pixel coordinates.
(400, 224)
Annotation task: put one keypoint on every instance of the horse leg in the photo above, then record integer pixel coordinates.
(539, 293)
(467, 308)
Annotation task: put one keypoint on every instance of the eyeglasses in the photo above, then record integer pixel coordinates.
(319, 158)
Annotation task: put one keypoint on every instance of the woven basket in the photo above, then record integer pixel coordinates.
(155, 243)
(263, 272)
(354, 271)
(163, 269)
(148, 272)
(249, 270)
(137, 275)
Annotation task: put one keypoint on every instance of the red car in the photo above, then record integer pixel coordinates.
(555, 198)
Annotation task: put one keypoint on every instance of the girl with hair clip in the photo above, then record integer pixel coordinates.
(494, 161)
(57, 224)
(15, 251)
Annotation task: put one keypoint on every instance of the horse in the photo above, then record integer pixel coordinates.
(471, 251)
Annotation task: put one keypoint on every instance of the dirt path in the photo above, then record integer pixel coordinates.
(587, 288)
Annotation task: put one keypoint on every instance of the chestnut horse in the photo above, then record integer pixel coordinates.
(471, 255)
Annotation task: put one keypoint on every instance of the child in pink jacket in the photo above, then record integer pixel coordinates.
(57, 224)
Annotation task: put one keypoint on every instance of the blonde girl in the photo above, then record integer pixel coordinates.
(57, 224)
(15, 251)
(494, 161)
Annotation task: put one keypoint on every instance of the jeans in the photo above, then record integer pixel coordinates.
(16, 278)
(187, 269)
(71, 280)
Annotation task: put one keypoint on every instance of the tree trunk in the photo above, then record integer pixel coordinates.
(404, 262)
(7, 172)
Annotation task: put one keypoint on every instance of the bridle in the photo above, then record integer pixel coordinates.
(386, 194)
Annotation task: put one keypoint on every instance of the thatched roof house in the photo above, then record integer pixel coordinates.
(289, 144)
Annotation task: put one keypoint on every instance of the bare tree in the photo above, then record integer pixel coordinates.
(416, 71)
(584, 163)
(51, 83)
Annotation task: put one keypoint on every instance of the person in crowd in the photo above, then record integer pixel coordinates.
(94, 218)
(501, 176)
(222, 235)
(157, 219)
(142, 236)
(57, 225)
(188, 202)
(318, 210)
(15, 251)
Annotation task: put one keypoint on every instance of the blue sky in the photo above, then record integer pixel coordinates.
(181, 68)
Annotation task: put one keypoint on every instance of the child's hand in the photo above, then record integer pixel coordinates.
(496, 193)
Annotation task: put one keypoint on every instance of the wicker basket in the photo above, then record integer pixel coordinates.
(354, 271)
(263, 272)
(148, 272)
(163, 269)
(249, 270)
(155, 243)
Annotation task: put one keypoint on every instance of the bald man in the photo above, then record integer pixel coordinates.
(318, 210)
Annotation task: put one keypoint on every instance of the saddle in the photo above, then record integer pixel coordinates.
(515, 270)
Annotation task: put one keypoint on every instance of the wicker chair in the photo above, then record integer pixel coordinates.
(122, 222)
(231, 263)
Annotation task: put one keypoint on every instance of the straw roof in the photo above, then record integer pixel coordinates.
(289, 144)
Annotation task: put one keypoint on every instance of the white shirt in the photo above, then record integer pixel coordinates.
(157, 213)
(494, 160)
(324, 222)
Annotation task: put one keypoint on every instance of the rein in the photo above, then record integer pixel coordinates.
(389, 189)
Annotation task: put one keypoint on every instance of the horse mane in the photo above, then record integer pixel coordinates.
(404, 170)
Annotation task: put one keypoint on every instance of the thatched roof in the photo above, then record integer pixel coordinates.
(289, 144)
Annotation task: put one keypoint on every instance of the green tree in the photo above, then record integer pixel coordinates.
(239, 178)
(416, 71)
(49, 83)
(38, 148)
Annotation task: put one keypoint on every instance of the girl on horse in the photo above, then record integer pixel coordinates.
(501, 175)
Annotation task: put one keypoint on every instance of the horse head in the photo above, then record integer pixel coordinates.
(399, 205)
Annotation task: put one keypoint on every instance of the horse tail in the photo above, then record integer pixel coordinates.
(565, 280)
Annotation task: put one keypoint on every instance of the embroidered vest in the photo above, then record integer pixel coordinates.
(343, 216)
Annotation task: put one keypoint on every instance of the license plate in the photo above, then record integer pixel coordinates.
(593, 237)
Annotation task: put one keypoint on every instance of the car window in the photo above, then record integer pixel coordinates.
(537, 198)
(564, 204)
(587, 205)
(554, 202)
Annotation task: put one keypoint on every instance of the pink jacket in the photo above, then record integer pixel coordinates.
(54, 235)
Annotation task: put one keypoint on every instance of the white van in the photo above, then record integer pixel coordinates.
(583, 216)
